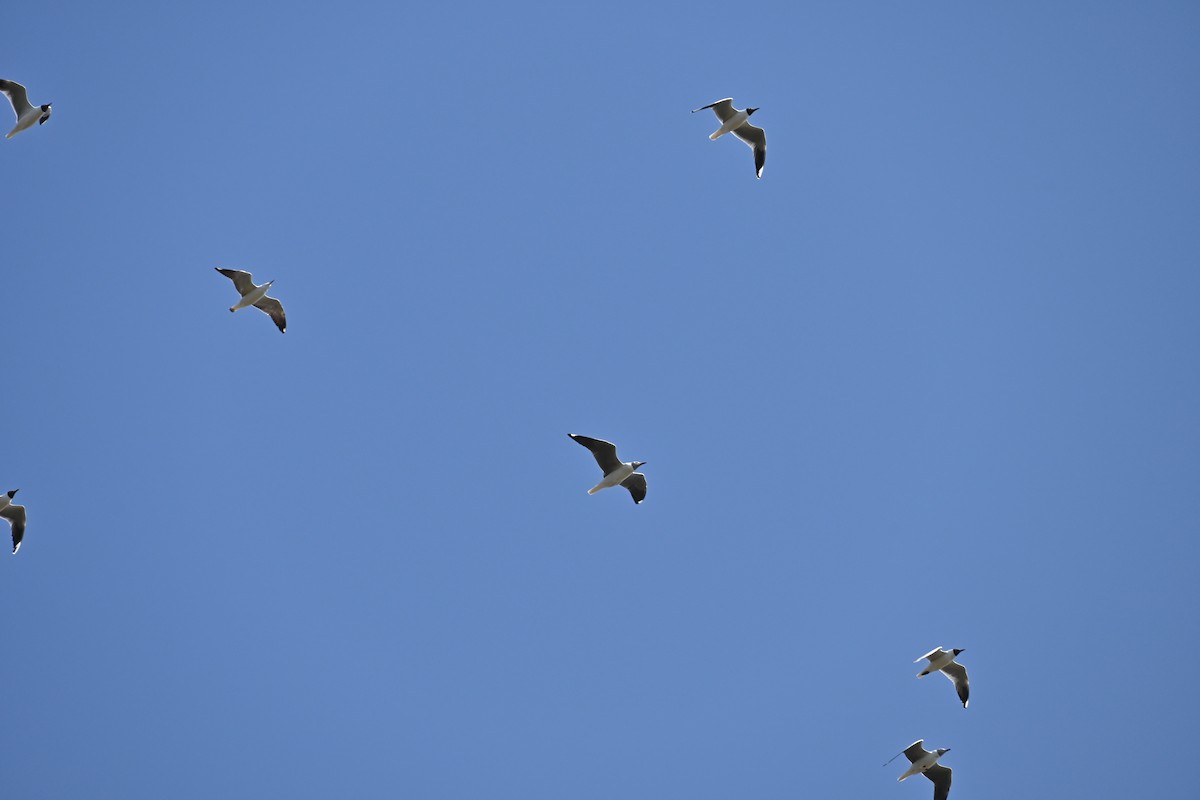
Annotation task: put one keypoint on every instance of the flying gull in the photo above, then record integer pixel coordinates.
(738, 122)
(925, 763)
(616, 472)
(943, 661)
(255, 296)
(16, 517)
(26, 114)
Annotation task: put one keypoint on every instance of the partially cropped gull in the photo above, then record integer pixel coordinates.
(737, 122)
(925, 763)
(616, 472)
(27, 114)
(16, 517)
(943, 661)
(255, 296)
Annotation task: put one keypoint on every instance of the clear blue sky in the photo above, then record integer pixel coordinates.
(932, 381)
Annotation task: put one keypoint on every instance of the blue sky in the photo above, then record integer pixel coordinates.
(931, 381)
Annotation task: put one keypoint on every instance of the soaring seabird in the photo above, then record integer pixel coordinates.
(925, 762)
(616, 472)
(943, 661)
(26, 114)
(15, 516)
(738, 123)
(255, 296)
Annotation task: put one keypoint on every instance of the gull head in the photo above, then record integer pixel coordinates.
(959, 650)
(13, 493)
(942, 751)
(750, 111)
(638, 464)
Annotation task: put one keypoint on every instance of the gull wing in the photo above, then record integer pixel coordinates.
(241, 280)
(605, 452)
(757, 138)
(722, 108)
(915, 752)
(935, 651)
(16, 516)
(958, 673)
(274, 310)
(16, 95)
(941, 781)
(636, 484)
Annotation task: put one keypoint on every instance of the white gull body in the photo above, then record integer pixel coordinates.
(736, 121)
(27, 115)
(616, 471)
(943, 661)
(926, 763)
(256, 296)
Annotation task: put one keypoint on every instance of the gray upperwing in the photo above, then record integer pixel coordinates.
(605, 452)
(915, 752)
(15, 515)
(941, 781)
(274, 310)
(930, 655)
(722, 108)
(757, 138)
(241, 280)
(636, 484)
(958, 674)
(16, 95)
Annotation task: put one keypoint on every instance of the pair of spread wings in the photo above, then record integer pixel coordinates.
(937, 773)
(752, 135)
(244, 283)
(956, 672)
(606, 456)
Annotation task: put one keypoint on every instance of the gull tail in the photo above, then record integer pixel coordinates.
(717, 135)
